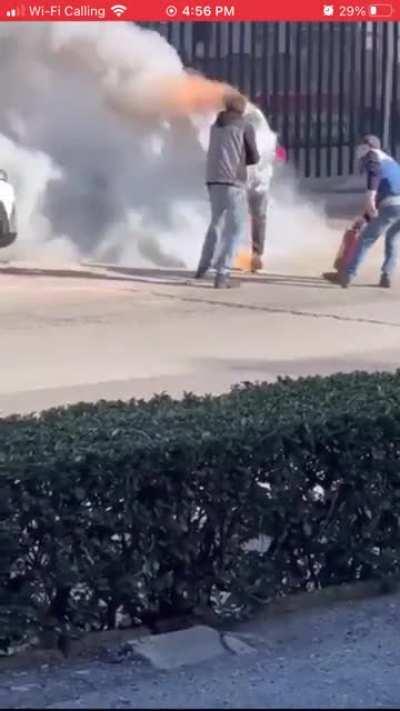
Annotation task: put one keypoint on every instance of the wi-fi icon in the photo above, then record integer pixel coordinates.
(119, 10)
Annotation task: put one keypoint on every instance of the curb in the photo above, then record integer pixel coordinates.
(85, 649)
(316, 599)
(96, 642)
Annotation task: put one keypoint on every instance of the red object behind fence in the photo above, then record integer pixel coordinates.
(281, 154)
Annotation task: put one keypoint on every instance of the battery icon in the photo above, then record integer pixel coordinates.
(380, 11)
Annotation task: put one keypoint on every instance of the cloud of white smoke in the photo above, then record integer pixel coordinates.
(97, 166)
(99, 132)
(302, 241)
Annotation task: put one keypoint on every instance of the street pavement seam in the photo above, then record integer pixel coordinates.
(276, 310)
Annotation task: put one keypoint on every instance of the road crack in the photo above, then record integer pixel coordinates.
(277, 310)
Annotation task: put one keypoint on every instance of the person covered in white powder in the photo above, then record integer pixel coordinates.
(8, 226)
(258, 182)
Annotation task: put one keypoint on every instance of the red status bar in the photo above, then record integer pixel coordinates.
(183, 11)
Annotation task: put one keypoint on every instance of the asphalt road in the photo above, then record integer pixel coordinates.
(84, 333)
(342, 656)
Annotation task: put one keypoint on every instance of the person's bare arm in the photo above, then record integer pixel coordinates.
(373, 177)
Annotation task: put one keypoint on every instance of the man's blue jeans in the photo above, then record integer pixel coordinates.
(229, 215)
(388, 220)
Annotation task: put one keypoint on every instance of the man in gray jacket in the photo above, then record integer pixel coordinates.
(232, 148)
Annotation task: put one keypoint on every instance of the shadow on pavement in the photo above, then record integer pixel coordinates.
(59, 273)
(182, 277)
(171, 277)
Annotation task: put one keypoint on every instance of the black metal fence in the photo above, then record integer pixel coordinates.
(321, 85)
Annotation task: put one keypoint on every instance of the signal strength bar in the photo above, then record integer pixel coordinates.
(16, 11)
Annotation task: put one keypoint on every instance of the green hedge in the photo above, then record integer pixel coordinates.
(147, 507)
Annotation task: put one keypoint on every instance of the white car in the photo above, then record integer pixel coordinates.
(8, 226)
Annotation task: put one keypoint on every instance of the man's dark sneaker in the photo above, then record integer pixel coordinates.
(222, 281)
(333, 277)
(344, 281)
(200, 273)
(385, 282)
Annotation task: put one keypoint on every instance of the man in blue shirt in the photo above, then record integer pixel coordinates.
(382, 208)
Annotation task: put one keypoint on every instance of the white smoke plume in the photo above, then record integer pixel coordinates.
(104, 138)
(94, 177)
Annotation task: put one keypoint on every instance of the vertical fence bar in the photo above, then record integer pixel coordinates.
(182, 48)
(208, 47)
(298, 103)
(329, 120)
(265, 86)
(342, 54)
(222, 51)
(242, 30)
(225, 48)
(385, 82)
(276, 77)
(264, 67)
(277, 117)
(253, 60)
(376, 123)
(218, 70)
(395, 113)
(363, 124)
(275, 80)
(320, 71)
(309, 107)
(230, 52)
(354, 32)
(286, 90)
(163, 29)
